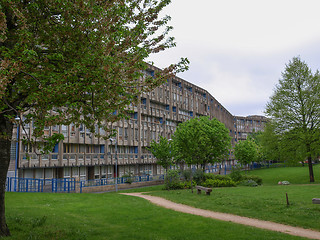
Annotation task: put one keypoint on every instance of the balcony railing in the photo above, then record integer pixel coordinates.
(81, 159)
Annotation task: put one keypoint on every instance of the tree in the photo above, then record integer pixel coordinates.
(163, 151)
(280, 147)
(295, 109)
(245, 151)
(76, 62)
(201, 141)
(270, 143)
(256, 137)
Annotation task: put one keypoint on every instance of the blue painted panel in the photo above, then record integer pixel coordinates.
(56, 148)
(101, 148)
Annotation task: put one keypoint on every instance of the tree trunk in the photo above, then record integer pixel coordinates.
(191, 176)
(310, 163)
(310, 169)
(5, 144)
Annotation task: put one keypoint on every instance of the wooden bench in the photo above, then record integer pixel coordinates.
(207, 190)
(316, 200)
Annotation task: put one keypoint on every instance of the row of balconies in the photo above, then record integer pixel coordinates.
(82, 159)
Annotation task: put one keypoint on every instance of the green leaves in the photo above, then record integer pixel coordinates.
(163, 151)
(295, 110)
(202, 141)
(84, 57)
(245, 151)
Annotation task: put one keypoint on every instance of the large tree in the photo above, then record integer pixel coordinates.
(277, 146)
(295, 109)
(76, 62)
(201, 141)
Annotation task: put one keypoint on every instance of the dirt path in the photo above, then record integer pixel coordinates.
(296, 231)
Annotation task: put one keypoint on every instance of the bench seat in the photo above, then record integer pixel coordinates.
(207, 190)
(316, 200)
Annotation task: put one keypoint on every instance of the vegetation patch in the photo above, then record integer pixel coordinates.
(114, 217)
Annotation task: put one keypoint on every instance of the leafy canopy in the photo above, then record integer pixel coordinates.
(245, 151)
(163, 151)
(201, 141)
(295, 109)
(79, 61)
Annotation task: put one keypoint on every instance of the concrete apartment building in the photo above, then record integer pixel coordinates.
(246, 125)
(83, 156)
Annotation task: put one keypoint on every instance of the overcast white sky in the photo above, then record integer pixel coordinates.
(238, 48)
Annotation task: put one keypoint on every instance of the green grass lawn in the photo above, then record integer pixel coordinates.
(267, 202)
(295, 175)
(264, 202)
(114, 216)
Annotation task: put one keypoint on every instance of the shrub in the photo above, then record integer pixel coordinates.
(222, 177)
(249, 183)
(187, 184)
(208, 176)
(172, 180)
(198, 176)
(186, 174)
(255, 178)
(128, 178)
(235, 174)
(219, 183)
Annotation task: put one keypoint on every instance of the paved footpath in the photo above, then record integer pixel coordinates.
(296, 231)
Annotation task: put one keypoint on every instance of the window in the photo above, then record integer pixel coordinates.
(126, 133)
(64, 130)
(72, 129)
(67, 172)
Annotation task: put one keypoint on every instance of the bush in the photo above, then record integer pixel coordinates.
(255, 178)
(219, 183)
(128, 178)
(249, 183)
(187, 184)
(172, 180)
(235, 174)
(186, 175)
(198, 176)
(207, 176)
(222, 177)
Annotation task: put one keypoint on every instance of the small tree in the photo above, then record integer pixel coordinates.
(245, 151)
(163, 151)
(201, 141)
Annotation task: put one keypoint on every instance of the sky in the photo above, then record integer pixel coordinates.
(238, 49)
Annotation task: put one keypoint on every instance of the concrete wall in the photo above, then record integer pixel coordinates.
(107, 188)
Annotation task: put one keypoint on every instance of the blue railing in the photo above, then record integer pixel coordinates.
(40, 185)
(24, 185)
(63, 185)
(218, 168)
(68, 184)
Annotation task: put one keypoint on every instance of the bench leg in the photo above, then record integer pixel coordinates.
(207, 193)
(199, 191)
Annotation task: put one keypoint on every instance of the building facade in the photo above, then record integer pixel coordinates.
(244, 126)
(83, 156)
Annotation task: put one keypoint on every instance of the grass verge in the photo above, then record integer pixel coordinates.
(113, 216)
(267, 202)
(295, 175)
